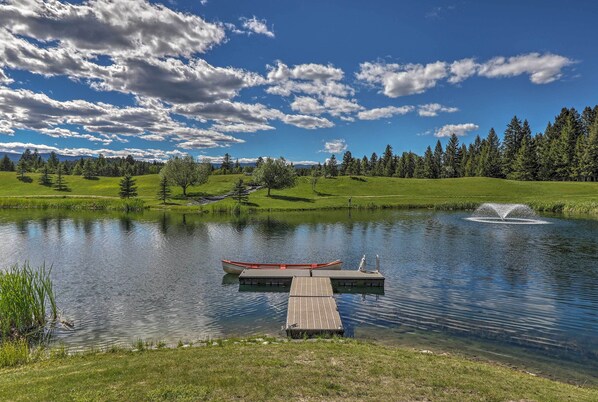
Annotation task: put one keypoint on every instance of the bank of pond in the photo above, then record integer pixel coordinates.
(346, 192)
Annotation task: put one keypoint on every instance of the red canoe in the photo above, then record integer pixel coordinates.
(236, 267)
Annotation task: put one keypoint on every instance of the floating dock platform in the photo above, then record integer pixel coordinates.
(284, 277)
(312, 309)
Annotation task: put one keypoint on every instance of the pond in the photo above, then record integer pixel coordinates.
(499, 290)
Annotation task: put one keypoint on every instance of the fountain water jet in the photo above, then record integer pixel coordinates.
(513, 214)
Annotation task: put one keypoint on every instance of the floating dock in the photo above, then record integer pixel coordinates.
(284, 277)
(312, 309)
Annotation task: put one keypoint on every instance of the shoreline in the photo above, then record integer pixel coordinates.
(338, 368)
(102, 203)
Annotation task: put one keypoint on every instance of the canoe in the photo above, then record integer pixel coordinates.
(236, 267)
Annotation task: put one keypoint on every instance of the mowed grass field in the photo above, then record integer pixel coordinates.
(365, 192)
(338, 370)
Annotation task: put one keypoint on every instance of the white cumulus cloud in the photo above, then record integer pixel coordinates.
(542, 69)
(407, 79)
(334, 146)
(432, 109)
(400, 80)
(384, 112)
(112, 27)
(257, 26)
(458, 129)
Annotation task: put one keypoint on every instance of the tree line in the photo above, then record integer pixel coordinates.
(566, 150)
(32, 162)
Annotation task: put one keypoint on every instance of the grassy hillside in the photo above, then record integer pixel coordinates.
(338, 370)
(365, 192)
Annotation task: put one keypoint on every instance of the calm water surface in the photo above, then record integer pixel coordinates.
(529, 289)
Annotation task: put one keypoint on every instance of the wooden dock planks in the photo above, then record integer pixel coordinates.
(311, 287)
(312, 310)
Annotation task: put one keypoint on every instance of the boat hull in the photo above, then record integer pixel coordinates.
(235, 267)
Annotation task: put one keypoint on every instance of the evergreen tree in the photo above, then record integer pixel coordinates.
(545, 165)
(365, 166)
(451, 157)
(53, 161)
(346, 163)
(562, 151)
(237, 168)
(315, 177)
(100, 166)
(6, 165)
(511, 144)
(577, 165)
(331, 167)
(128, 188)
(88, 170)
(22, 168)
(227, 164)
(590, 157)
(428, 164)
(418, 172)
(490, 159)
(463, 160)
(60, 184)
(129, 160)
(259, 162)
(45, 179)
(438, 156)
(587, 119)
(388, 162)
(355, 169)
(78, 168)
(164, 189)
(373, 164)
(36, 161)
(525, 163)
(239, 192)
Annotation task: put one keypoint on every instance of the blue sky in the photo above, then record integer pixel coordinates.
(299, 79)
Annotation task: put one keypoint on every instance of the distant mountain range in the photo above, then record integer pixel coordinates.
(15, 156)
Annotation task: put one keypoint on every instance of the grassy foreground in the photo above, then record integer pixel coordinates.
(365, 192)
(322, 370)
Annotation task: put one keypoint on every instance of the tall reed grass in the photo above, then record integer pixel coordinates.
(27, 303)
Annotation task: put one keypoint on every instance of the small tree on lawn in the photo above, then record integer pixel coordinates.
(275, 174)
(239, 192)
(60, 184)
(315, 177)
(88, 169)
(164, 191)
(185, 172)
(22, 168)
(128, 188)
(45, 179)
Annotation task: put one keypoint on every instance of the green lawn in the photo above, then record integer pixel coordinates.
(338, 370)
(365, 192)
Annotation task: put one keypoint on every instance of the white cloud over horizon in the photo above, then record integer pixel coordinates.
(459, 130)
(396, 80)
(334, 146)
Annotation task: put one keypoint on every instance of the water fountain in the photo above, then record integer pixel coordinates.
(513, 214)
